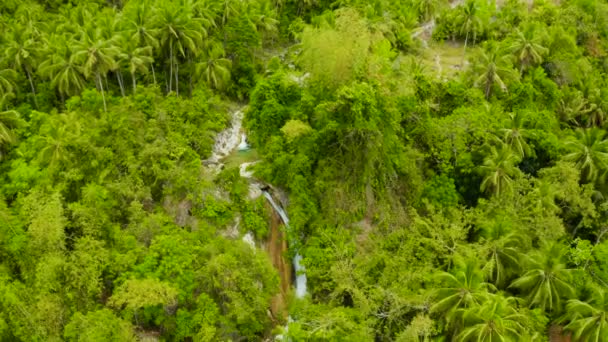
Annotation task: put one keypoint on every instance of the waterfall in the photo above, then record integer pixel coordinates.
(299, 269)
(243, 146)
(228, 140)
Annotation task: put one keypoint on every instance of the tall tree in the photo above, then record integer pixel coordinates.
(493, 67)
(471, 21)
(463, 287)
(527, 48)
(498, 169)
(139, 26)
(215, 68)
(61, 68)
(136, 59)
(97, 57)
(547, 280)
(589, 151)
(494, 320)
(9, 119)
(180, 34)
(588, 320)
(515, 134)
(7, 82)
(22, 51)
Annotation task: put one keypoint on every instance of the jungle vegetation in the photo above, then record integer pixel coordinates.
(446, 166)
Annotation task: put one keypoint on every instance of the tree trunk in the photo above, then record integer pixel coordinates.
(153, 74)
(190, 75)
(29, 77)
(120, 82)
(170, 64)
(103, 95)
(488, 90)
(464, 52)
(176, 79)
(107, 84)
(135, 83)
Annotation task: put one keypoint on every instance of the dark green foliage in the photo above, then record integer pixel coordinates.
(443, 182)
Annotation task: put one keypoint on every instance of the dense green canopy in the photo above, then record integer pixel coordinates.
(444, 166)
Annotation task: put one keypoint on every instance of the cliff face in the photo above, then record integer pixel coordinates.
(277, 249)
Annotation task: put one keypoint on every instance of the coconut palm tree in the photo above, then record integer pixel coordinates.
(22, 52)
(96, 57)
(573, 108)
(7, 82)
(56, 136)
(515, 134)
(135, 59)
(215, 68)
(62, 70)
(470, 18)
(263, 19)
(501, 249)
(494, 320)
(139, 26)
(589, 151)
(546, 281)
(588, 319)
(427, 9)
(180, 34)
(9, 119)
(493, 67)
(463, 287)
(498, 169)
(527, 48)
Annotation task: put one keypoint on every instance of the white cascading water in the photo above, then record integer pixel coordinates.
(243, 145)
(300, 271)
(232, 139)
(229, 139)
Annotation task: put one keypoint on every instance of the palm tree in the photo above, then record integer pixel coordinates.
(208, 11)
(22, 51)
(140, 29)
(502, 253)
(179, 34)
(62, 69)
(7, 82)
(57, 134)
(492, 67)
(574, 108)
(136, 59)
(527, 48)
(263, 19)
(214, 69)
(514, 135)
(588, 320)
(9, 119)
(97, 58)
(229, 9)
(546, 281)
(494, 320)
(428, 8)
(498, 169)
(464, 288)
(471, 22)
(589, 151)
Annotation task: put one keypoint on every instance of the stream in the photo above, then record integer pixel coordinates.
(231, 142)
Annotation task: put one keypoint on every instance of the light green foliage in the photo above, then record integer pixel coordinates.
(101, 325)
(140, 293)
(334, 55)
(546, 279)
(443, 166)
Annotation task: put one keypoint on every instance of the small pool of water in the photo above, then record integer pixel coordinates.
(236, 158)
